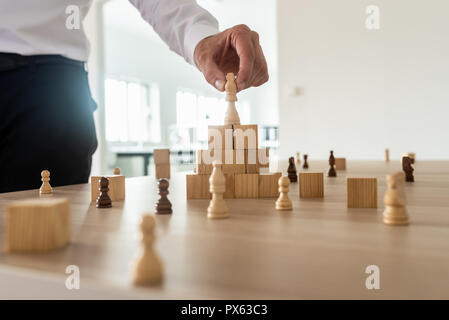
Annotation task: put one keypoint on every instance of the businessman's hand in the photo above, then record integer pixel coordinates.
(234, 50)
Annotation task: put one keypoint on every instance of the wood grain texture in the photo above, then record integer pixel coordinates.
(268, 185)
(340, 163)
(362, 192)
(37, 224)
(230, 186)
(197, 186)
(247, 185)
(317, 251)
(311, 184)
(161, 156)
(162, 171)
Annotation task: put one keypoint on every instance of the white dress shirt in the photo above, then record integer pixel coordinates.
(31, 27)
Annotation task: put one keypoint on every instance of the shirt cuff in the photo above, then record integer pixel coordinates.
(196, 33)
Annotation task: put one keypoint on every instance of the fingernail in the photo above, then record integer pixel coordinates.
(219, 84)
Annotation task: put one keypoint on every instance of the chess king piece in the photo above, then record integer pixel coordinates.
(147, 268)
(283, 202)
(231, 116)
(163, 206)
(116, 171)
(298, 159)
(292, 175)
(217, 185)
(394, 200)
(104, 201)
(45, 187)
(332, 172)
(306, 164)
(408, 169)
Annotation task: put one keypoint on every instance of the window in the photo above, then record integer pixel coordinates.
(132, 112)
(198, 112)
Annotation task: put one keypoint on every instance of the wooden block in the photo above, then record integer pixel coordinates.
(268, 185)
(257, 160)
(161, 156)
(362, 192)
(116, 187)
(233, 161)
(220, 137)
(311, 184)
(245, 136)
(340, 163)
(230, 186)
(197, 186)
(203, 168)
(35, 225)
(163, 171)
(247, 185)
(233, 168)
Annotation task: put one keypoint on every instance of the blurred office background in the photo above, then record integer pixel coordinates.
(334, 84)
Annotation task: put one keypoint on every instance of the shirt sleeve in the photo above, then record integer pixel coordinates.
(180, 23)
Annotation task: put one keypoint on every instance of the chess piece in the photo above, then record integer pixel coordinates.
(283, 202)
(231, 116)
(45, 187)
(387, 155)
(394, 200)
(292, 176)
(163, 206)
(217, 185)
(408, 169)
(104, 201)
(147, 268)
(306, 164)
(332, 172)
(298, 159)
(116, 171)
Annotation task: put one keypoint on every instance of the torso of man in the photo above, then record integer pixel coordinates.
(31, 27)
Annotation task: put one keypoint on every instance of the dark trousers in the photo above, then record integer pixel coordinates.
(46, 121)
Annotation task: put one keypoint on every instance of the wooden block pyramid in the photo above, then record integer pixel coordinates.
(235, 146)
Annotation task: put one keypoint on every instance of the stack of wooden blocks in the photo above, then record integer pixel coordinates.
(162, 163)
(245, 166)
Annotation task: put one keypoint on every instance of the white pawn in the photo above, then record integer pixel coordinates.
(231, 116)
(147, 268)
(298, 158)
(45, 187)
(283, 202)
(217, 185)
(395, 212)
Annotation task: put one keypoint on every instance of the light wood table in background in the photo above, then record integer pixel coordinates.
(319, 250)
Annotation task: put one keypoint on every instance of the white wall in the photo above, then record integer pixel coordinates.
(361, 90)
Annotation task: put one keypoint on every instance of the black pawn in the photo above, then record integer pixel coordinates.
(163, 206)
(305, 165)
(408, 169)
(332, 172)
(292, 176)
(104, 201)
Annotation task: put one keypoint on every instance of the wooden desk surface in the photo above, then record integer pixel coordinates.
(319, 250)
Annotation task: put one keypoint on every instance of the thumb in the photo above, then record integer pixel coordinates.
(214, 75)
